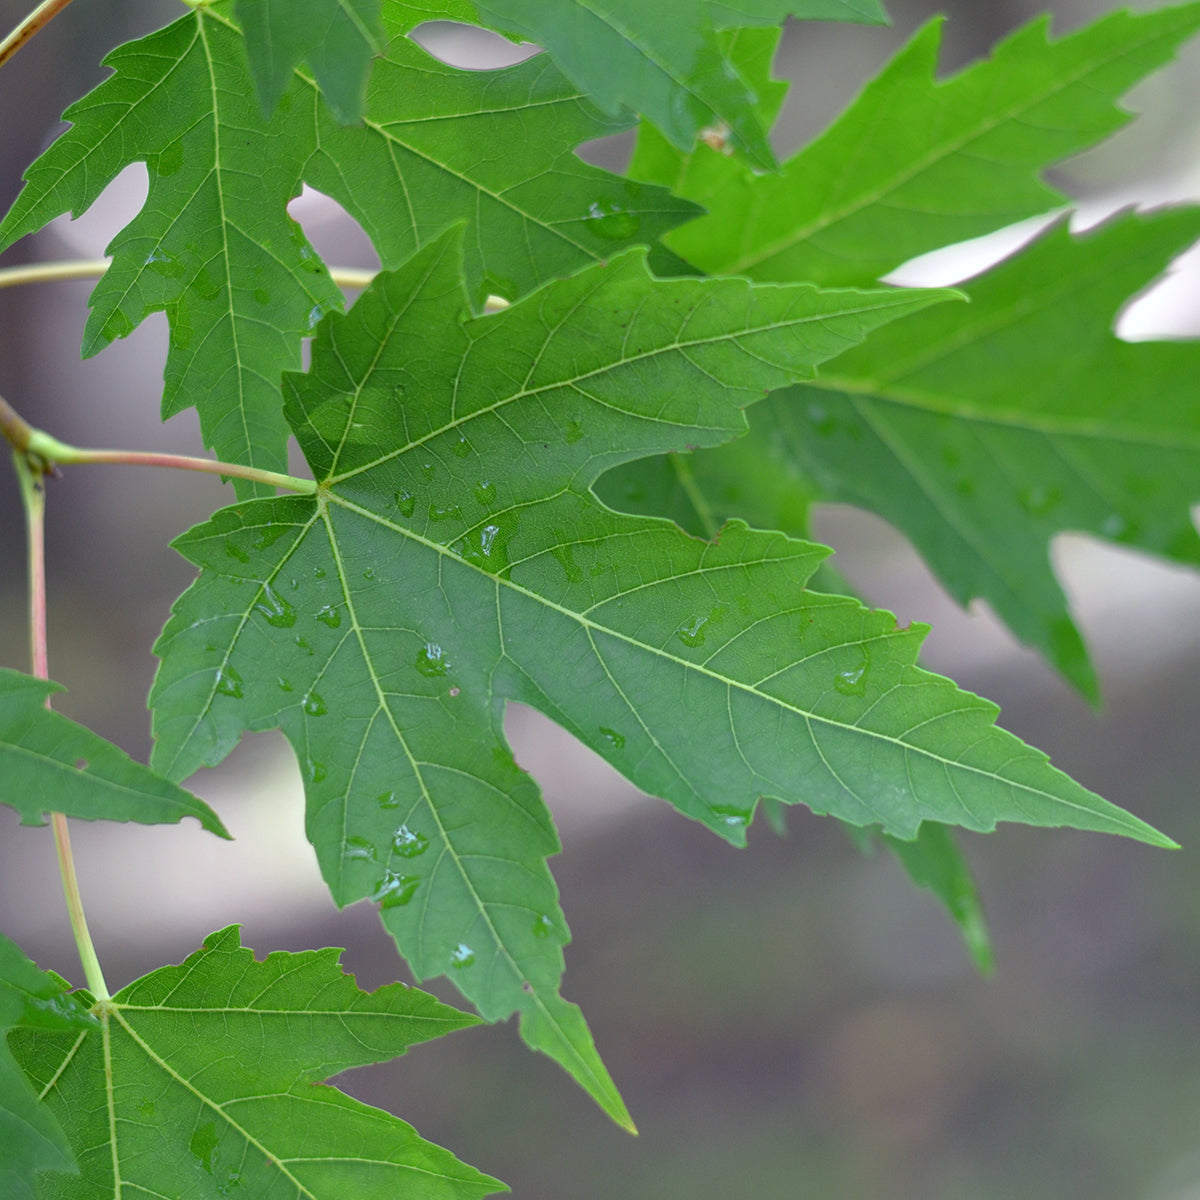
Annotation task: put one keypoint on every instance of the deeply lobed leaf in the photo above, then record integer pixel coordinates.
(214, 247)
(455, 558)
(202, 1079)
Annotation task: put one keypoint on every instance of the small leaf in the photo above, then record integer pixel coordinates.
(50, 764)
(31, 1140)
(337, 38)
(666, 60)
(201, 1081)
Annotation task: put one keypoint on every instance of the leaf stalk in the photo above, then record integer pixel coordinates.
(32, 23)
(30, 474)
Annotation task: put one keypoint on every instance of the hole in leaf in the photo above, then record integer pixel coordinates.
(470, 48)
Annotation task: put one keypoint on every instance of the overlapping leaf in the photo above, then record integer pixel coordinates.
(915, 164)
(214, 248)
(337, 38)
(454, 558)
(50, 764)
(665, 60)
(983, 437)
(30, 1139)
(203, 1080)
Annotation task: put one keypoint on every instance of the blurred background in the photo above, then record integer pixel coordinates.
(791, 1020)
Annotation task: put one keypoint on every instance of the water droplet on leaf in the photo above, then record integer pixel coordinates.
(358, 847)
(229, 683)
(614, 739)
(611, 221)
(461, 956)
(275, 609)
(408, 844)
(329, 615)
(395, 890)
(691, 633)
(543, 926)
(485, 492)
(406, 502)
(429, 660)
(314, 705)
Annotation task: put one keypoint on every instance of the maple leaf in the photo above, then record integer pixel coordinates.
(203, 1078)
(48, 762)
(30, 1139)
(336, 37)
(666, 61)
(914, 164)
(213, 245)
(455, 558)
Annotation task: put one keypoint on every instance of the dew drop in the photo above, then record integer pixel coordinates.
(285, 685)
(445, 512)
(314, 705)
(486, 537)
(543, 926)
(428, 470)
(406, 502)
(1114, 526)
(574, 432)
(302, 644)
(318, 572)
(329, 615)
(395, 890)
(461, 956)
(387, 800)
(485, 492)
(275, 609)
(358, 847)
(270, 535)
(408, 844)
(734, 818)
(852, 681)
(612, 737)
(611, 221)
(430, 661)
(315, 771)
(229, 683)
(461, 448)
(691, 633)
(369, 573)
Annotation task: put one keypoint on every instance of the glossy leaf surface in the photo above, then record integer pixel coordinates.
(204, 1080)
(48, 763)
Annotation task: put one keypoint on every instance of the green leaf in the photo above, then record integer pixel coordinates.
(30, 1138)
(666, 60)
(915, 164)
(337, 38)
(984, 436)
(214, 247)
(450, 562)
(50, 764)
(202, 1081)
(454, 558)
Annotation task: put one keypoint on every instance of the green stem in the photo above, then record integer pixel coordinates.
(93, 268)
(30, 475)
(55, 453)
(38, 19)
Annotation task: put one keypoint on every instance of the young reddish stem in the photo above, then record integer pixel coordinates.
(33, 495)
(38, 19)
